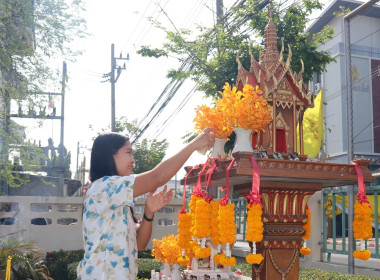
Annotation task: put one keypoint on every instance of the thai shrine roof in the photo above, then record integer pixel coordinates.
(271, 73)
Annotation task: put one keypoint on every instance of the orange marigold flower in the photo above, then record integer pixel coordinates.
(307, 225)
(305, 251)
(254, 258)
(362, 225)
(362, 254)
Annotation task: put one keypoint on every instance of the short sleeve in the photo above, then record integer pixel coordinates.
(113, 191)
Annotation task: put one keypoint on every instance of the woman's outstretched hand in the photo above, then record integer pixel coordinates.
(205, 140)
(155, 202)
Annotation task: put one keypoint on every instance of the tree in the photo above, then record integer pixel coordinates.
(32, 35)
(147, 153)
(210, 58)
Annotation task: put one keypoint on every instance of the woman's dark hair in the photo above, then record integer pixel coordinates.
(104, 148)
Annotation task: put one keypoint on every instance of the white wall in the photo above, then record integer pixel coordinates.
(55, 236)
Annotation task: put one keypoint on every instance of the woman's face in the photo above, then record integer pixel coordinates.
(124, 160)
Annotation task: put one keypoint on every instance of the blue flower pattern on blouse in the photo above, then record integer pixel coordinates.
(109, 233)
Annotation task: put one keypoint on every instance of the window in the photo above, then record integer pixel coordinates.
(40, 207)
(40, 221)
(167, 210)
(67, 208)
(67, 221)
(8, 221)
(9, 207)
(165, 222)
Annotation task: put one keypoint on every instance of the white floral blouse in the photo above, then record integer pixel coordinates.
(109, 232)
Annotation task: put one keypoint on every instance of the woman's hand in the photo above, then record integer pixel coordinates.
(205, 140)
(155, 202)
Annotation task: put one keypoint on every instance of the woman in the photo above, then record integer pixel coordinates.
(109, 233)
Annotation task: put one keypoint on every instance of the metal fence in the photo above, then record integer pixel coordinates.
(335, 221)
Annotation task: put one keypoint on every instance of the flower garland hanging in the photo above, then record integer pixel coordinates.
(202, 228)
(192, 207)
(362, 225)
(255, 225)
(254, 233)
(184, 234)
(215, 228)
(227, 231)
(307, 227)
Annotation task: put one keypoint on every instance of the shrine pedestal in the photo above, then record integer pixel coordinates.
(285, 188)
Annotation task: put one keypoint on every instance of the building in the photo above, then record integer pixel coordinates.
(365, 50)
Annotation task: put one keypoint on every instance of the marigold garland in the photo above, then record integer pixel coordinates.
(362, 254)
(218, 256)
(214, 228)
(307, 227)
(227, 261)
(202, 219)
(184, 234)
(192, 206)
(201, 253)
(255, 226)
(226, 223)
(254, 258)
(184, 260)
(362, 227)
(305, 251)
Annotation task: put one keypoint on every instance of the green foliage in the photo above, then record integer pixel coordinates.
(147, 153)
(72, 271)
(27, 262)
(211, 56)
(32, 34)
(146, 266)
(58, 261)
(147, 254)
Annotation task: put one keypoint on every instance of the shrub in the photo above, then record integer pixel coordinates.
(72, 271)
(147, 254)
(58, 261)
(146, 266)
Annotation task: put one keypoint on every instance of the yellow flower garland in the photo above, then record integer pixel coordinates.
(215, 229)
(217, 257)
(192, 206)
(305, 251)
(201, 253)
(184, 260)
(254, 232)
(184, 234)
(362, 228)
(255, 226)
(202, 219)
(227, 261)
(307, 227)
(226, 223)
(254, 258)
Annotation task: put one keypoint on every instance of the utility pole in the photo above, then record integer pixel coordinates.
(350, 147)
(61, 148)
(113, 81)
